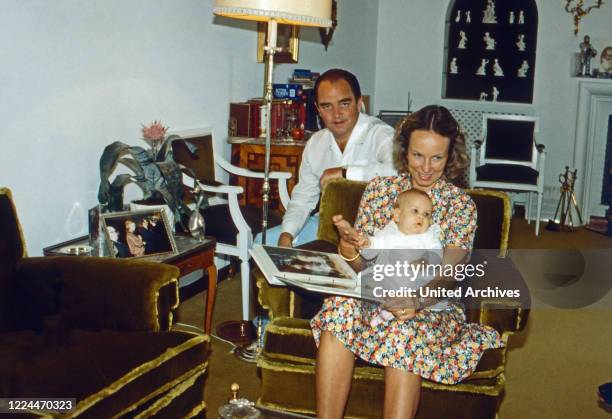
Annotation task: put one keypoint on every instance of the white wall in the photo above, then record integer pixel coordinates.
(77, 75)
(353, 45)
(409, 56)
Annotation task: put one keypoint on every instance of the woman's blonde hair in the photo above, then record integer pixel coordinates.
(439, 120)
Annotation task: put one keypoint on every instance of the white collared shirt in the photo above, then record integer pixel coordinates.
(368, 153)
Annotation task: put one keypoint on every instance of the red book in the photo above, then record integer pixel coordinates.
(240, 120)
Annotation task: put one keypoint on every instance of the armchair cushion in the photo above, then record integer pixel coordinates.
(97, 293)
(509, 173)
(219, 221)
(288, 362)
(106, 372)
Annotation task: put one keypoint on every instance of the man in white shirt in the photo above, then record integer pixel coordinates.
(352, 145)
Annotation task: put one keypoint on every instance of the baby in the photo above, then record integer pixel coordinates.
(410, 228)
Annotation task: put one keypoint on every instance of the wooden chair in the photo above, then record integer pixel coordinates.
(508, 158)
(232, 225)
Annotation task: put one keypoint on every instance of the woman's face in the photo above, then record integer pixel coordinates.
(427, 157)
(130, 226)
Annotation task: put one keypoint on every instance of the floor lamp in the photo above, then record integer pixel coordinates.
(315, 13)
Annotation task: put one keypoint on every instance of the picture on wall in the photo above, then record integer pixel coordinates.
(287, 42)
(602, 62)
(138, 234)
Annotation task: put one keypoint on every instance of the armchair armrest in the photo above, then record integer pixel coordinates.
(505, 316)
(281, 177)
(232, 192)
(100, 293)
(474, 161)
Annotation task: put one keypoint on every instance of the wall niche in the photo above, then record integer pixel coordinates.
(490, 50)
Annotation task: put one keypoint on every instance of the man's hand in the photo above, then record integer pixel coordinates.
(285, 240)
(329, 174)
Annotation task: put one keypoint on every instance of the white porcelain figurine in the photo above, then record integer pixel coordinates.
(520, 43)
(521, 19)
(511, 17)
(483, 96)
(458, 18)
(463, 40)
(468, 17)
(453, 66)
(489, 13)
(490, 42)
(482, 70)
(495, 94)
(522, 71)
(497, 70)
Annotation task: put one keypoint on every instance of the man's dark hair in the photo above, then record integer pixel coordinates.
(336, 74)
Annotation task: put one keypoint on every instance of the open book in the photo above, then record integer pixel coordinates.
(325, 273)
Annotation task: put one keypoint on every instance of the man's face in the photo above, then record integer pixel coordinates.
(338, 108)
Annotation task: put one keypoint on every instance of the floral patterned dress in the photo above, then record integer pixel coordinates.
(437, 345)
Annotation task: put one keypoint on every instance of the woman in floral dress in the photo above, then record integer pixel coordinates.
(417, 343)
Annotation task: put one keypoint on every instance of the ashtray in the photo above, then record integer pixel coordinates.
(76, 250)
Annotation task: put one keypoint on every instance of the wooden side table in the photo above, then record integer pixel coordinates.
(192, 255)
(249, 153)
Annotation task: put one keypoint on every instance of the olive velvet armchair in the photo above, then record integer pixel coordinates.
(287, 361)
(95, 330)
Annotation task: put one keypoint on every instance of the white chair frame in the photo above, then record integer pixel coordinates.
(537, 162)
(244, 240)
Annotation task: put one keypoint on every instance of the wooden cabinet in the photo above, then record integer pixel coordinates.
(250, 154)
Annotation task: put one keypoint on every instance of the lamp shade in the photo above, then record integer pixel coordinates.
(288, 12)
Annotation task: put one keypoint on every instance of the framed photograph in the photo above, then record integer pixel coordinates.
(605, 60)
(138, 234)
(287, 39)
(601, 64)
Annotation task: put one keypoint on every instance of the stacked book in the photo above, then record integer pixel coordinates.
(293, 110)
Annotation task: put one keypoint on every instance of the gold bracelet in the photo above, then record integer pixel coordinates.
(348, 259)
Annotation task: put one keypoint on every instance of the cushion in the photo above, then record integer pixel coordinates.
(219, 221)
(508, 173)
(290, 339)
(509, 139)
(107, 372)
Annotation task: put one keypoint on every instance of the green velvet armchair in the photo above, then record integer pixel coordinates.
(95, 330)
(288, 358)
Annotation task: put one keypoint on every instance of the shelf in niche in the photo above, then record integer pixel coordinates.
(593, 79)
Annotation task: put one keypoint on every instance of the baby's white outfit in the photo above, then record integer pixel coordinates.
(390, 238)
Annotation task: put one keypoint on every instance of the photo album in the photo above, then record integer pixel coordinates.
(320, 272)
